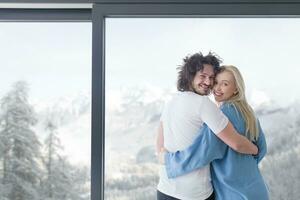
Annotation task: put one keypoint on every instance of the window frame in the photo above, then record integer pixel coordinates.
(103, 9)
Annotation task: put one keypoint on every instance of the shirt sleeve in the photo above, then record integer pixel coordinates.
(261, 144)
(205, 148)
(213, 116)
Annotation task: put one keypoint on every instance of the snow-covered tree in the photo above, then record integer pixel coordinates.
(52, 148)
(80, 177)
(66, 182)
(21, 148)
(62, 181)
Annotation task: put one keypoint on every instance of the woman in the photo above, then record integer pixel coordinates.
(235, 176)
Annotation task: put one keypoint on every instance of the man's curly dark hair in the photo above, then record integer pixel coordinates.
(191, 65)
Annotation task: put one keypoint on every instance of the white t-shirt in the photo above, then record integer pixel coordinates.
(182, 118)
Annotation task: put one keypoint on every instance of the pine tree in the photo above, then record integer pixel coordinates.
(51, 144)
(66, 187)
(81, 180)
(63, 181)
(66, 182)
(21, 148)
(53, 180)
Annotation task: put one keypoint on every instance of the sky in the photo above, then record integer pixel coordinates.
(145, 51)
(54, 58)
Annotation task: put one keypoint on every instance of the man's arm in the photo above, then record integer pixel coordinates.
(220, 122)
(160, 138)
(236, 141)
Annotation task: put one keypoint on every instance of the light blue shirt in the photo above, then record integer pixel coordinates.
(235, 176)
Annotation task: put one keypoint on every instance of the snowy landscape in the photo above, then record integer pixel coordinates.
(132, 118)
(34, 161)
(45, 146)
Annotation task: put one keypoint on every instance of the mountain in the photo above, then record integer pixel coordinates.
(132, 116)
(64, 110)
(136, 119)
(72, 116)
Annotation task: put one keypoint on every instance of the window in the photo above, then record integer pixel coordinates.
(102, 11)
(142, 55)
(45, 110)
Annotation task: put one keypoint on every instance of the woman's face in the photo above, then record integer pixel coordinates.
(224, 87)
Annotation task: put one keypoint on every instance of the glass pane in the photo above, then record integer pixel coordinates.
(141, 60)
(45, 113)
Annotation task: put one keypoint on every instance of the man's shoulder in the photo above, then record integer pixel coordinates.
(188, 100)
(192, 95)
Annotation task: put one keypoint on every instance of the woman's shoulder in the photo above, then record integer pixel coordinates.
(230, 110)
(228, 106)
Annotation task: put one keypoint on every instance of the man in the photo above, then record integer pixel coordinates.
(183, 116)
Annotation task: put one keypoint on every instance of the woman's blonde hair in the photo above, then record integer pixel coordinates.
(240, 102)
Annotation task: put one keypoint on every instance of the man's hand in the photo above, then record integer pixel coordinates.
(161, 156)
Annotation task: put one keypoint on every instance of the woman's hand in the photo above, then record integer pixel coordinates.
(161, 156)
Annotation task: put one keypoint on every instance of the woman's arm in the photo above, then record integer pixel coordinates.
(261, 143)
(205, 148)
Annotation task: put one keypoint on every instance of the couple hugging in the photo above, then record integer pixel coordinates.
(210, 151)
